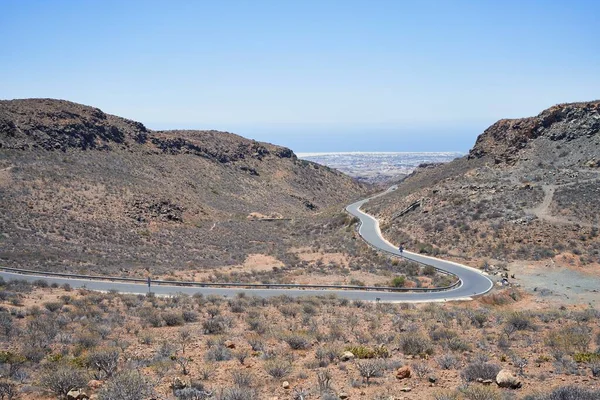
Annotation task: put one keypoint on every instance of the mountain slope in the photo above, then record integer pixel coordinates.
(527, 190)
(83, 188)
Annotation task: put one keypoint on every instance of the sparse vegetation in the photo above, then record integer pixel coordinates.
(110, 339)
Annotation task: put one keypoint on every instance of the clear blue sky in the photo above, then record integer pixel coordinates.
(312, 75)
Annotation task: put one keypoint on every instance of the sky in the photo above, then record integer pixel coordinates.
(315, 76)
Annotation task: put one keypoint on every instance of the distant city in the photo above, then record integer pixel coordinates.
(376, 167)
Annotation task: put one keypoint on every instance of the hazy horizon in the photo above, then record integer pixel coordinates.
(307, 139)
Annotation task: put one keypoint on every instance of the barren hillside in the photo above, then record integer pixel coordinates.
(527, 190)
(84, 190)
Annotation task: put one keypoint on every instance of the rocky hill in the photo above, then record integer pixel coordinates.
(527, 190)
(84, 189)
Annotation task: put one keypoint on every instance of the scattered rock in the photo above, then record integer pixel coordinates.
(229, 344)
(405, 389)
(285, 385)
(505, 379)
(344, 396)
(77, 394)
(487, 382)
(403, 372)
(347, 356)
(432, 379)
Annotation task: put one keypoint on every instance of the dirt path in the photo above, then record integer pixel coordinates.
(542, 211)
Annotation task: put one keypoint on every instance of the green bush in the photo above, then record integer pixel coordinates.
(364, 352)
(586, 357)
(398, 281)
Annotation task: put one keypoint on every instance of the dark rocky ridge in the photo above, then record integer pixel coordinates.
(60, 125)
(564, 122)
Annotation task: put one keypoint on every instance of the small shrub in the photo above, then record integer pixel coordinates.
(570, 393)
(479, 318)
(364, 352)
(105, 361)
(570, 338)
(324, 381)
(457, 344)
(218, 353)
(398, 281)
(8, 390)
(445, 395)
(61, 379)
(586, 357)
(242, 378)
(278, 368)
(127, 385)
(189, 316)
(415, 345)
(173, 318)
(191, 393)
(520, 321)
(7, 327)
(442, 334)
(297, 342)
(421, 369)
(153, 318)
(238, 393)
(256, 344)
(215, 326)
(88, 340)
(41, 283)
(370, 368)
(53, 306)
(448, 361)
(595, 369)
(478, 392)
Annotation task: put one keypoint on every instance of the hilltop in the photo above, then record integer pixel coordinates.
(527, 190)
(85, 190)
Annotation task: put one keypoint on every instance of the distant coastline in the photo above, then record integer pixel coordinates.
(327, 153)
(378, 167)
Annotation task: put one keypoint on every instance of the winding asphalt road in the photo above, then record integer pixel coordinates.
(473, 282)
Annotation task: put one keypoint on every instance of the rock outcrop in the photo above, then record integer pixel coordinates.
(564, 122)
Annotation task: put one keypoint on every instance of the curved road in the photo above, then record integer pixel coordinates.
(473, 281)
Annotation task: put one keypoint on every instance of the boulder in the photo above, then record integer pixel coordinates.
(229, 344)
(77, 394)
(403, 372)
(285, 385)
(343, 396)
(506, 379)
(347, 356)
